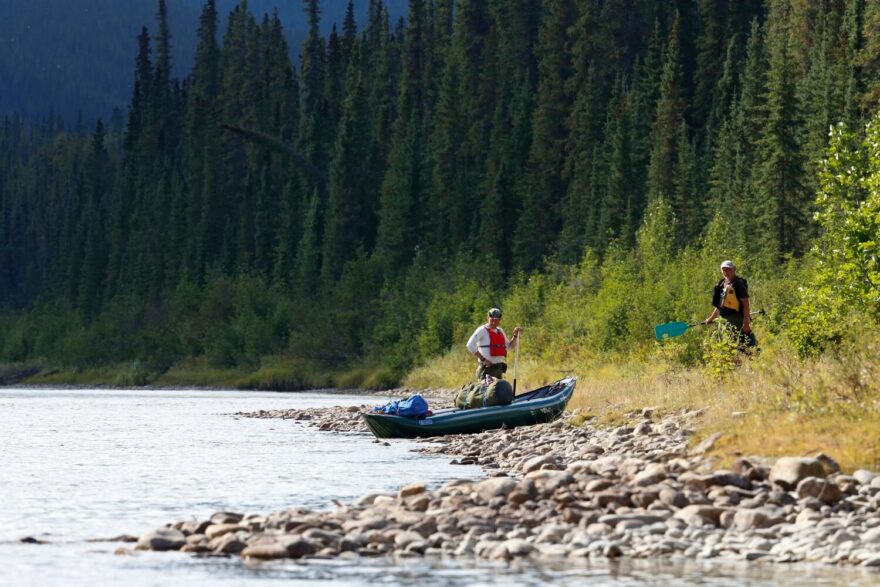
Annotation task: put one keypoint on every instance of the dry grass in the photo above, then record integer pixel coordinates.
(771, 405)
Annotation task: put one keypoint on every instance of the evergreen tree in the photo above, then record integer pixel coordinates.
(544, 188)
(618, 208)
(351, 207)
(782, 201)
(585, 132)
(407, 180)
(868, 57)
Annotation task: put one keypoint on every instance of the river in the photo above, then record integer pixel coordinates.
(78, 465)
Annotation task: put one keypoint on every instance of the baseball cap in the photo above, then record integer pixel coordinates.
(728, 265)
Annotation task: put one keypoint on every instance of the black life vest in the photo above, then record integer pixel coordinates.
(726, 299)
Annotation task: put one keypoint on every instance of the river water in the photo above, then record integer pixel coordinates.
(79, 465)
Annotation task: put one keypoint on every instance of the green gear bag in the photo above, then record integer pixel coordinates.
(477, 395)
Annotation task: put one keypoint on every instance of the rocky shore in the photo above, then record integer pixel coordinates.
(556, 492)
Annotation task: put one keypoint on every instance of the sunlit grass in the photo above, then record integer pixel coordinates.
(771, 405)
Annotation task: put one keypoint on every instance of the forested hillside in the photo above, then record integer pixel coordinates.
(72, 57)
(365, 205)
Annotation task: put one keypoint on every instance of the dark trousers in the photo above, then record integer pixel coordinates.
(497, 371)
(743, 340)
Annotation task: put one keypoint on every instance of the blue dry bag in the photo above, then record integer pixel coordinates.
(414, 406)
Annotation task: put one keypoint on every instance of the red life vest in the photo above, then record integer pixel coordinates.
(497, 343)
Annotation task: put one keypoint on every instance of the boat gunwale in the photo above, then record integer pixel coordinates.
(466, 414)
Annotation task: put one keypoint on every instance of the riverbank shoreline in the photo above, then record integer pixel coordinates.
(272, 374)
(557, 492)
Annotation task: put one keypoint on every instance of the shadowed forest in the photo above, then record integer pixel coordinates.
(347, 218)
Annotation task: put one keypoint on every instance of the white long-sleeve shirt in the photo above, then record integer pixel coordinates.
(479, 341)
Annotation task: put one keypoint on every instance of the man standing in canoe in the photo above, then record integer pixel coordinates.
(731, 301)
(489, 345)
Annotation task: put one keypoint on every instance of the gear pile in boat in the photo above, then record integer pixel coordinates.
(480, 394)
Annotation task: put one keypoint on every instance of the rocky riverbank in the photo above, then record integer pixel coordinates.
(556, 491)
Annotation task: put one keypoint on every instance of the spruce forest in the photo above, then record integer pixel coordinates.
(345, 212)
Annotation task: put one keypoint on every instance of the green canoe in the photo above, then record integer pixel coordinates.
(534, 407)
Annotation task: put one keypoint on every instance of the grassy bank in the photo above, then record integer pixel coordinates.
(772, 404)
(274, 373)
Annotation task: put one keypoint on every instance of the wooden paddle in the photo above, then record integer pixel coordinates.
(516, 360)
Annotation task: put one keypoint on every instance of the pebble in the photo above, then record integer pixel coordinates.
(555, 491)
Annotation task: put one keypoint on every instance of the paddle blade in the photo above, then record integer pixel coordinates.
(670, 329)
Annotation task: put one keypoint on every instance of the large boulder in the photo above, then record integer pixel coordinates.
(161, 540)
(787, 472)
(822, 489)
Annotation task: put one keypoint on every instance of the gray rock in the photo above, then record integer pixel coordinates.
(268, 551)
(162, 539)
(426, 527)
(598, 485)
(758, 518)
(218, 530)
(579, 466)
(518, 547)
(551, 533)
(725, 478)
(651, 475)
(538, 462)
(368, 499)
(226, 518)
(229, 543)
(644, 498)
(727, 518)
(831, 466)
(411, 489)
(299, 547)
(402, 539)
(612, 496)
(787, 472)
(673, 497)
(612, 550)
(808, 518)
(547, 480)
(416, 547)
(753, 555)
(821, 489)
(864, 477)
(699, 515)
(706, 444)
(321, 535)
(643, 429)
(871, 536)
(696, 480)
(495, 487)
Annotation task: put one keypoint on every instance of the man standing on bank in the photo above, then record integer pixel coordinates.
(731, 301)
(489, 345)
